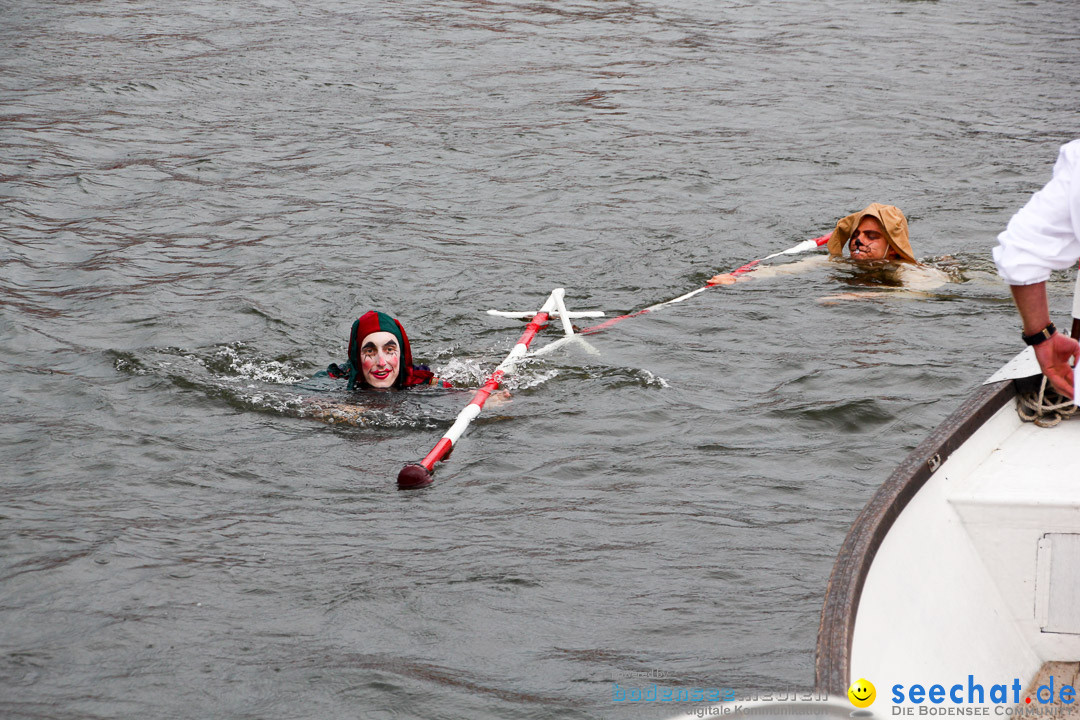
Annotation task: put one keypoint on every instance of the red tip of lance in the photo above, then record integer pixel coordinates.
(414, 476)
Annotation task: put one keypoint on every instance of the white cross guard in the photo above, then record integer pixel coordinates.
(418, 475)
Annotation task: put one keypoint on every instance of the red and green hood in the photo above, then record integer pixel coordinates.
(374, 321)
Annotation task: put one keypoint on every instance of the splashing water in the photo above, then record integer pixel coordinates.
(237, 361)
(239, 376)
(462, 373)
(653, 379)
(471, 373)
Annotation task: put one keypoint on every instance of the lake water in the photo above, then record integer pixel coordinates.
(197, 199)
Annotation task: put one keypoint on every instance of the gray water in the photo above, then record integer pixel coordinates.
(199, 198)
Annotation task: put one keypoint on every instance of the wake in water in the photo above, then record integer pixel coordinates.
(234, 373)
(240, 376)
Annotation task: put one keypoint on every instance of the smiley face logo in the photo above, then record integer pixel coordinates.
(862, 693)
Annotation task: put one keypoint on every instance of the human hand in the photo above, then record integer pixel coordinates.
(834, 299)
(1053, 355)
(500, 397)
(722, 279)
(334, 412)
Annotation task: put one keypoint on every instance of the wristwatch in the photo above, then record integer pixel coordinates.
(1039, 337)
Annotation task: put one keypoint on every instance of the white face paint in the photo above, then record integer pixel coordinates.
(380, 359)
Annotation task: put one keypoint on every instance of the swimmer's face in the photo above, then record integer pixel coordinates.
(380, 359)
(868, 242)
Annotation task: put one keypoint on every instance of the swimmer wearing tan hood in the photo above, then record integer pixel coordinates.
(877, 233)
(876, 236)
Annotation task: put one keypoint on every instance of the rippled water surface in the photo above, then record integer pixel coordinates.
(197, 199)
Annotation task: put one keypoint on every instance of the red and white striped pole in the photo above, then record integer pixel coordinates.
(417, 475)
(801, 247)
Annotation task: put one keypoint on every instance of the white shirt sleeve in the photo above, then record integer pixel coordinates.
(1045, 234)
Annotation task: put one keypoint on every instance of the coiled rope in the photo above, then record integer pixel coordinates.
(1046, 408)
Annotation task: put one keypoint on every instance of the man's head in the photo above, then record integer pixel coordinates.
(879, 232)
(869, 242)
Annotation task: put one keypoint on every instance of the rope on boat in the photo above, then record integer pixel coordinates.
(1046, 408)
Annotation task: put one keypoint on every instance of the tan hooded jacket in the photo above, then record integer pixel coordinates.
(892, 220)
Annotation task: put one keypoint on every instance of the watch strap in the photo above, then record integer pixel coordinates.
(1041, 336)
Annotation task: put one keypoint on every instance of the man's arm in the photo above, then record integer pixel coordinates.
(1053, 354)
(768, 271)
